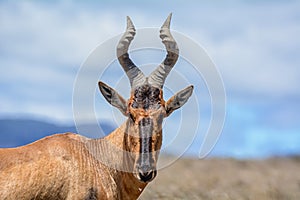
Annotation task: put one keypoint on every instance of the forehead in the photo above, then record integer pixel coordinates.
(146, 97)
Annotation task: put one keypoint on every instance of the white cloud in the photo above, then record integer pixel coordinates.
(43, 44)
(42, 48)
(255, 48)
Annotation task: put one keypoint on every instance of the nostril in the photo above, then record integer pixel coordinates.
(144, 173)
(147, 176)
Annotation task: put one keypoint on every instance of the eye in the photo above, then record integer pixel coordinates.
(156, 106)
(134, 105)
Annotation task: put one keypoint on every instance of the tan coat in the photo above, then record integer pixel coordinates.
(62, 167)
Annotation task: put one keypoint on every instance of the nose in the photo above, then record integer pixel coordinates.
(146, 176)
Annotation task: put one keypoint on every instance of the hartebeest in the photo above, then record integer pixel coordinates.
(118, 166)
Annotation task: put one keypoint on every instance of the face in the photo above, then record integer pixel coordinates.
(146, 110)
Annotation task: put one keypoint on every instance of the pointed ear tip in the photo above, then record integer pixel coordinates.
(102, 84)
(191, 89)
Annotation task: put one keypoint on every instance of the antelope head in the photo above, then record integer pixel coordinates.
(146, 107)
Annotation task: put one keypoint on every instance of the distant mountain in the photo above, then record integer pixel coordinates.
(232, 143)
(18, 132)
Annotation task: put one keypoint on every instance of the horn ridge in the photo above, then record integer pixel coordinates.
(158, 76)
(134, 74)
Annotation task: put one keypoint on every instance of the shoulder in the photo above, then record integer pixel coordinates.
(63, 138)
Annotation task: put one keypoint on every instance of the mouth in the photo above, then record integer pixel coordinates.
(146, 177)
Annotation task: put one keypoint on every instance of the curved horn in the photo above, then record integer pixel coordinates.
(157, 77)
(135, 75)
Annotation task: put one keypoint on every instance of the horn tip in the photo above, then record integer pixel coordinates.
(129, 22)
(167, 22)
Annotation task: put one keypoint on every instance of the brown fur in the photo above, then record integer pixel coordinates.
(72, 167)
(69, 166)
(62, 167)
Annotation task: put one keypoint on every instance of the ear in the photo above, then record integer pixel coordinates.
(179, 99)
(113, 97)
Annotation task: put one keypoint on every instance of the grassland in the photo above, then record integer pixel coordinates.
(276, 178)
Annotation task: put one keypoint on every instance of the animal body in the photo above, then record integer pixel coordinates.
(118, 166)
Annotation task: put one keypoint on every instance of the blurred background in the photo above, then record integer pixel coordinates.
(254, 44)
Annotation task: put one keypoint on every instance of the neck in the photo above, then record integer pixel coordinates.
(111, 152)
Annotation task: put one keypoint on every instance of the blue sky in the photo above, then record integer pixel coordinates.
(254, 44)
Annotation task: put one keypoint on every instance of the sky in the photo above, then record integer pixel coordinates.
(254, 45)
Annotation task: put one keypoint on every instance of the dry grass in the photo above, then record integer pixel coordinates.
(277, 178)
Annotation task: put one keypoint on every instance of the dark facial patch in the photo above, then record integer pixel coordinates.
(145, 157)
(146, 128)
(146, 97)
